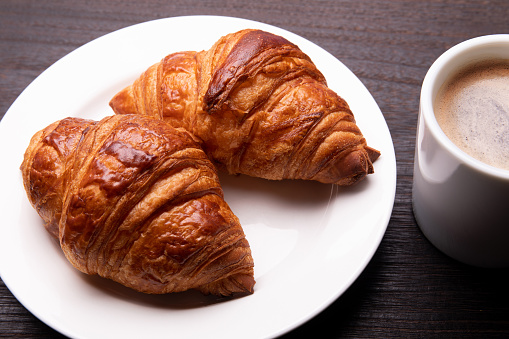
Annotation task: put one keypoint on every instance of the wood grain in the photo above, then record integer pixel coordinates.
(409, 289)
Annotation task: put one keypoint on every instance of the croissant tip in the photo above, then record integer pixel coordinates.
(234, 286)
(373, 154)
(123, 102)
(350, 168)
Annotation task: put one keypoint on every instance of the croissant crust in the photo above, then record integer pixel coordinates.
(134, 200)
(259, 106)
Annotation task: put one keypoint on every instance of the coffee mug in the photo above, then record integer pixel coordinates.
(460, 203)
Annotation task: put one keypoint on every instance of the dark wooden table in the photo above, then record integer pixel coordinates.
(409, 289)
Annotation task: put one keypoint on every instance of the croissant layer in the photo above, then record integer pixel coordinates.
(135, 200)
(259, 106)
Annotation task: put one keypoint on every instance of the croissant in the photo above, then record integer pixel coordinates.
(132, 199)
(259, 106)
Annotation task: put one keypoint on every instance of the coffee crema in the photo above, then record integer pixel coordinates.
(472, 108)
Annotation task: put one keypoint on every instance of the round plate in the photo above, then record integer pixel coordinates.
(309, 241)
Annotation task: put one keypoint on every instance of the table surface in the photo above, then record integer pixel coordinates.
(409, 289)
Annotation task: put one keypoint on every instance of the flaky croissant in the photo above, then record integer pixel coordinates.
(259, 106)
(135, 200)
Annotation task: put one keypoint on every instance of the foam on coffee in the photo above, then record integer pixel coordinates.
(473, 111)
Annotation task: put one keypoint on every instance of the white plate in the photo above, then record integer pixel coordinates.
(309, 241)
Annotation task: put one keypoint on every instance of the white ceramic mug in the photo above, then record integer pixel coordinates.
(460, 203)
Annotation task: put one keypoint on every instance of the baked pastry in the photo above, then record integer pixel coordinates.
(132, 199)
(259, 106)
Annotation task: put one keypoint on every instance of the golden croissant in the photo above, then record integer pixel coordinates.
(259, 106)
(135, 200)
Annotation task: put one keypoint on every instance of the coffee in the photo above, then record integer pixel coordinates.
(472, 109)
